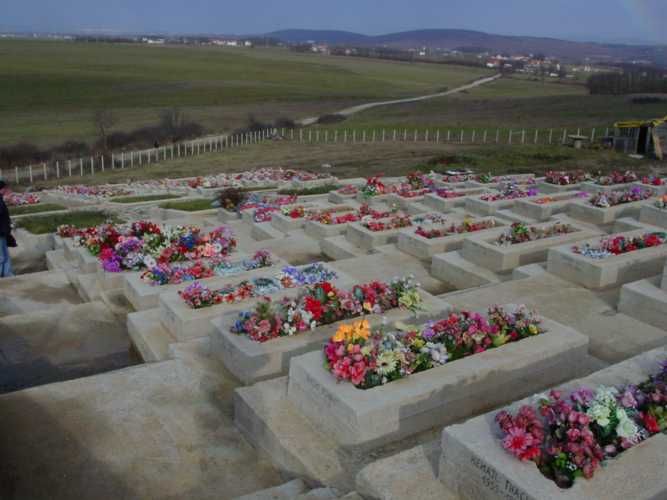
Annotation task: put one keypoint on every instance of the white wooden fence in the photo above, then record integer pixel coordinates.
(145, 158)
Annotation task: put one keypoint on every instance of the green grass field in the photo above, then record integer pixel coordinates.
(512, 103)
(34, 209)
(188, 205)
(48, 224)
(50, 89)
(139, 199)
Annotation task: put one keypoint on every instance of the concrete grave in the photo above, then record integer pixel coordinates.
(185, 323)
(424, 248)
(483, 250)
(442, 204)
(251, 361)
(582, 209)
(364, 419)
(144, 296)
(610, 271)
(651, 214)
(474, 466)
(544, 211)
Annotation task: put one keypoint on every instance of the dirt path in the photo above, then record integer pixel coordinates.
(363, 107)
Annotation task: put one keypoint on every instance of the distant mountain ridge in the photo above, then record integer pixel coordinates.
(457, 39)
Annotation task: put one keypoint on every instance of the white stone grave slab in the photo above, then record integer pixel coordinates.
(474, 465)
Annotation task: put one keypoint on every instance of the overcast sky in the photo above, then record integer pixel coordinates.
(609, 20)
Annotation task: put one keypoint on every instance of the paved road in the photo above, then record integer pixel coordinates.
(370, 105)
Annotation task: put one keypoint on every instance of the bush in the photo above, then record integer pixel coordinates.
(231, 198)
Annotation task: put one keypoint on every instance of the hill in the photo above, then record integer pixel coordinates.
(467, 39)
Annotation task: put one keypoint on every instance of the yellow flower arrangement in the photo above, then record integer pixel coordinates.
(359, 330)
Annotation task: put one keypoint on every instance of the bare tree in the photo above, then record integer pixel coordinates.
(103, 121)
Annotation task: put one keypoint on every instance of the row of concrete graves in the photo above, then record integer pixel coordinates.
(330, 432)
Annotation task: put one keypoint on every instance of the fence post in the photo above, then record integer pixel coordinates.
(449, 134)
(509, 141)
(523, 136)
(437, 136)
(474, 133)
(92, 166)
(57, 170)
(354, 136)
(606, 132)
(578, 131)
(461, 136)
(44, 170)
(102, 162)
(593, 135)
(16, 171)
(415, 135)
(405, 135)
(69, 167)
(363, 136)
(497, 135)
(81, 166)
(383, 132)
(336, 136)
(326, 137)
(564, 136)
(373, 139)
(551, 135)
(484, 140)
(426, 136)
(30, 172)
(310, 135)
(394, 136)
(536, 135)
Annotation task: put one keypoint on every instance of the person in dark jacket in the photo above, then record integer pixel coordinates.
(6, 238)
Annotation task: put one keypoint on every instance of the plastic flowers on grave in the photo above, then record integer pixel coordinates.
(653, 180)
(509, 191)
(395, 222)
(371, 358)
(521, 233)
(616, 177)
(565, 178)
(323, 304)
(618, 245)
(21, 199)
(606, 200)
(571, 436)
(349, 189)
(373, 187)
(467, 226)
(448, 193)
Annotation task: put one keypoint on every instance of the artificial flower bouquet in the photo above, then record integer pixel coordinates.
(368, 358)
(509, 191)
(616, 177)
(606, 200)
(448, 193)
(618, 245)
(387, 224)
(107, 191)
(419, 181)
(569, 436)
(198, 296)
(21, 199)
(373, 187)
(323, 304)
(467, 226)
(653, 180)
(174, 274)
(565, 178)
(521, 233)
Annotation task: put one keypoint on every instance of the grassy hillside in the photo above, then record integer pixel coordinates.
(512, 103)
(50, 89)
